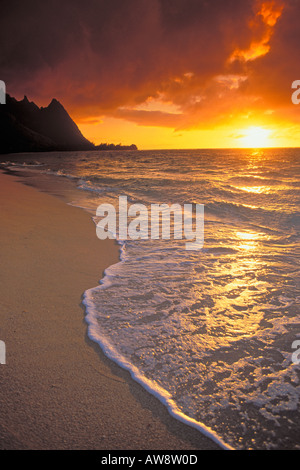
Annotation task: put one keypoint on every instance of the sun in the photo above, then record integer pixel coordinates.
(256, 137)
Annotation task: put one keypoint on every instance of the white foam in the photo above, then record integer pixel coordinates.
(163, 396)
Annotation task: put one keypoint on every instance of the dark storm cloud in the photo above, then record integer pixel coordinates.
(99, 56)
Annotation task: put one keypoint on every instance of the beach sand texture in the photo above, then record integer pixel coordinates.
(58, 391)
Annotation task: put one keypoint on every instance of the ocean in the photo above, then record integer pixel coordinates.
(210, 332)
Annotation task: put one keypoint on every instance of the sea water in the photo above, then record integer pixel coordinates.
(210, 332)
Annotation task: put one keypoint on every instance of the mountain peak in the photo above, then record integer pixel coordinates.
(29, 127)
(54, 101)
(55, 104)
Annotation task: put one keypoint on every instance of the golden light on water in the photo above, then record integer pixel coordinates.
(256, 189)
(247, 240)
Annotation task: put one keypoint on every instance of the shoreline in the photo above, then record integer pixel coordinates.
(59, 390)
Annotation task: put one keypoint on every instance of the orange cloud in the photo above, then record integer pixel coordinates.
(262, 25)
(200, 64)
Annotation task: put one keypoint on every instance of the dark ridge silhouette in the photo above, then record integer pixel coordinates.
(24, 127)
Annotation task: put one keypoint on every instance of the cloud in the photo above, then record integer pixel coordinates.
(215, 61)
(149, 118)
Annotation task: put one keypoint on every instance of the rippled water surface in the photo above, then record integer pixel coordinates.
(212, 328)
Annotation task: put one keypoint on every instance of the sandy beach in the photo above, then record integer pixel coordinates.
(58, 391)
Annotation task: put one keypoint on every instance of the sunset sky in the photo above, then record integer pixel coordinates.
(160, 73)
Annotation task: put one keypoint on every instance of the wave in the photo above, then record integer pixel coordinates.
(22, 165)
(161, 394)
(251, 213)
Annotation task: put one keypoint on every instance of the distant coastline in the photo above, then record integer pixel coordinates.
(115, 147)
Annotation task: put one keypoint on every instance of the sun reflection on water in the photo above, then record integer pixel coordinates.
(248, 240)
(256, 189)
